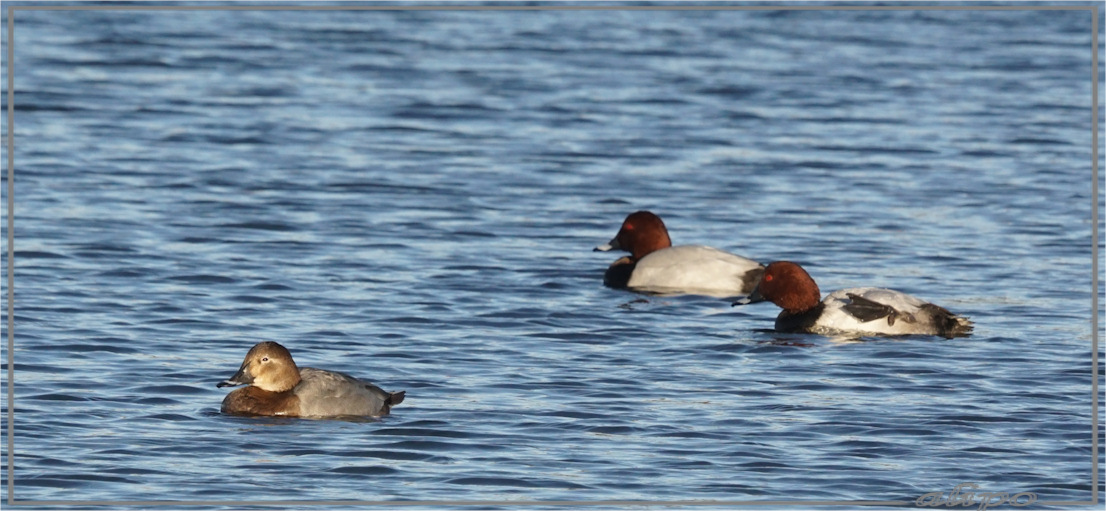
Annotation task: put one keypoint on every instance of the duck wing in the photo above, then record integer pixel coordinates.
(869, 310)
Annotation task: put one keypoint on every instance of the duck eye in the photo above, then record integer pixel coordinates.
(768, 278)
(264, 359)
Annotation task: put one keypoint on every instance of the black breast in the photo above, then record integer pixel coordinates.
(800, 322)
(618, 275)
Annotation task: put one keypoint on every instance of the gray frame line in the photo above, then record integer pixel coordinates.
(1094, 254)
(497, 503)
(450, 7)
(532, 503)
(11, 254)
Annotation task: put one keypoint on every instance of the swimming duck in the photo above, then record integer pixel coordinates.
(655, 266)
(855, 311)
(276, 386)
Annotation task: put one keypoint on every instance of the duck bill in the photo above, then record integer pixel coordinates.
(753, 297)
(242, 377)
(610, 245)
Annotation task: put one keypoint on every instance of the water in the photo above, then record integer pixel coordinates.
(412, 197)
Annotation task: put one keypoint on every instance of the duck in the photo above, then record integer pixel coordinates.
(654, 266)
(854, 312)
(275, 386)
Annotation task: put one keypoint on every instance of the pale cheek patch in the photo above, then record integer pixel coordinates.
(266, 386)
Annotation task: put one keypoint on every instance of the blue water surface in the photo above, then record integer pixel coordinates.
(412, 197)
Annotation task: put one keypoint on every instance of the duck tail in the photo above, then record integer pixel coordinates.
(962, 327)
(395, 398)
(950, 325)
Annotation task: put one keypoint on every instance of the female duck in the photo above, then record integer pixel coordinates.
(856, 311)
(655, 266)
(277, 387)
